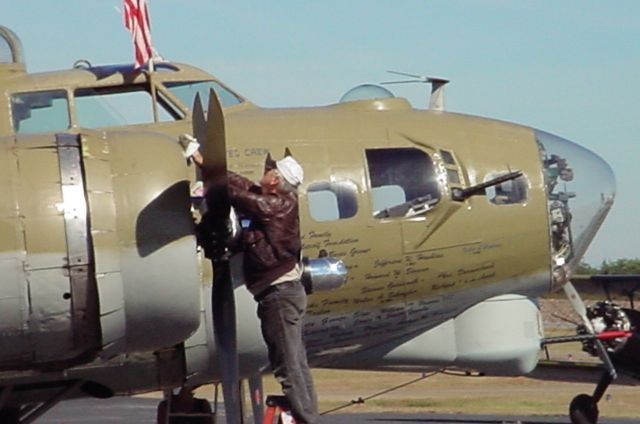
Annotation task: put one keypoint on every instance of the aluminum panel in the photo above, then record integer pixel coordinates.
(51, 321)
(14, 311)
(112, 314)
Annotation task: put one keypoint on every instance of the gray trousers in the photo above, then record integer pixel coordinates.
(281, 312)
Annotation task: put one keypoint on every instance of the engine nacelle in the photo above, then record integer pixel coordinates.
(97, 248)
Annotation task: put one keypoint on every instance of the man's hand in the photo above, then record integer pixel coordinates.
(197, 158)
(191, 148)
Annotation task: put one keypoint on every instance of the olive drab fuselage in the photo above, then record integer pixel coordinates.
(101, 273)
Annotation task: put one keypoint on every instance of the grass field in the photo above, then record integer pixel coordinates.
(467, 394)
(458, 394)
(454, 394)
(461, 394)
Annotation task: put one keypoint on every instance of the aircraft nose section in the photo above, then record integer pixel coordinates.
(580, 191)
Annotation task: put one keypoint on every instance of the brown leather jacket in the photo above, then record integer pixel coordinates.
(271, 244)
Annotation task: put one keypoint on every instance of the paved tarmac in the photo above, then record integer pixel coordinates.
(143, 411)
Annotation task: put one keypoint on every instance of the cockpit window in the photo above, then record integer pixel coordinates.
(100, 108)
(40, 112)
(508, 192)
(403, 182)
(330, 201)
(186, 92)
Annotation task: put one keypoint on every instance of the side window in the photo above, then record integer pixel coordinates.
(40, 112)
(403, 182)
(332, 201)
(96, 108)
(450, 165)
(508, 192)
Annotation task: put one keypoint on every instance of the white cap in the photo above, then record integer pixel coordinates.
(290, 170)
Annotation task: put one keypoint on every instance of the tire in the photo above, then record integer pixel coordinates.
(583, 410)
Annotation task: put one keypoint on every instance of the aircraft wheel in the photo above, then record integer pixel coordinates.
(583, 410)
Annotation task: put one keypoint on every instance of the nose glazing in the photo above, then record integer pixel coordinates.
(580, 189)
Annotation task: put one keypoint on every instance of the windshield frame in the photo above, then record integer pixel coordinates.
(228, 98)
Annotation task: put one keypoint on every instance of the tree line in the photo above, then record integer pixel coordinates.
(618, 266)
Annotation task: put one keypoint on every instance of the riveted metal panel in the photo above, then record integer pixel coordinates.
(155, 239)
(8, 177)
(106, 254)
(39, 181)
(84, 293)
(106, 250)
(14, 308)
(103, 232)
(74, 200)
(51, 325)
(14, 312)
(98, 176)
(112, 314)
(103, 211)
(45, 242)
(95, 147)
(39, 198)
(11, 239)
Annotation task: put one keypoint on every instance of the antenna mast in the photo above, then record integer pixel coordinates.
(436, 99)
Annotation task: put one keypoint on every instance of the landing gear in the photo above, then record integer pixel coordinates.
(608, 329)
(584, 408)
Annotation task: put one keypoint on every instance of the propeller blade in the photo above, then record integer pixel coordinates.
(224, 327)
(199, 121)
(211, 135)
(214, 152)
(581, 310)
(606, 359)
(578, 304)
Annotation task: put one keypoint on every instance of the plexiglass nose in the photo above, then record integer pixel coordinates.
(580, 191)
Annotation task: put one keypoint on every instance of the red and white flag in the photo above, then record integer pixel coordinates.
(136, 19)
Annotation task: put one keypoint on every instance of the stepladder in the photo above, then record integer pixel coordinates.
(278, 411)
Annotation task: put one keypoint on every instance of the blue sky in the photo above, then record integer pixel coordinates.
(569, 67)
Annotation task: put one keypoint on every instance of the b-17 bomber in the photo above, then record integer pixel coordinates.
(428, 235)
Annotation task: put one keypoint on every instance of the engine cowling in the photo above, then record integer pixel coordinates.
(629, 356)
(607, 316)
(97, 248)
